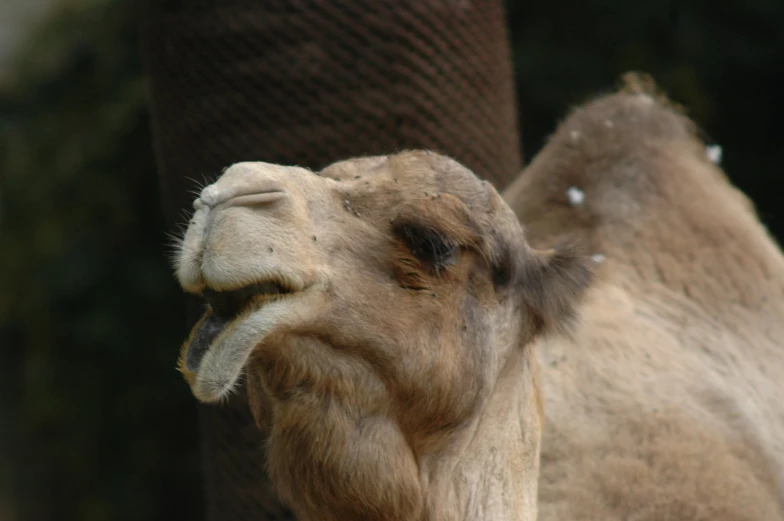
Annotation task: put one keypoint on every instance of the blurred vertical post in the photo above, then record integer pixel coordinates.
(309, 82)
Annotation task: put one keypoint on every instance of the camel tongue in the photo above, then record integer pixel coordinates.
(202, 341)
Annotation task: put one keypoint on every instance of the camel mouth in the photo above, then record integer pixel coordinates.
(224, 308)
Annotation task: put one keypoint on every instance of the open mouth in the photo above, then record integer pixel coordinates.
(225, 306)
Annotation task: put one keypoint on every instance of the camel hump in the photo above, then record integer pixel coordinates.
(625, 163)
(626, 176)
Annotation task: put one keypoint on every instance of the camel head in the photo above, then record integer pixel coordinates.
(381, 313)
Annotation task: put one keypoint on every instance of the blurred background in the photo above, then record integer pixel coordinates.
(95, 423)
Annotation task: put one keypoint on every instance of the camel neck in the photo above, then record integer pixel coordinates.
(491, 470)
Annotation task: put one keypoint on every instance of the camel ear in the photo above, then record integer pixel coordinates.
(553, 285)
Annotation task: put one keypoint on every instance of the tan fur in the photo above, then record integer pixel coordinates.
(390, 386)
(669, 403)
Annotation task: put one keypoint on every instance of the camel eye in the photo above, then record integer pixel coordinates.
(430, 246)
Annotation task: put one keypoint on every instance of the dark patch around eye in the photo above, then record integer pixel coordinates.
(502, 274)
(428, 245)
(502, 270)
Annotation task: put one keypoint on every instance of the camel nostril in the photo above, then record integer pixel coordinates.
(258, 193)
(256, 199)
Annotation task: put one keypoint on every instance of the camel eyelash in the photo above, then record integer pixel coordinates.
(430, 246)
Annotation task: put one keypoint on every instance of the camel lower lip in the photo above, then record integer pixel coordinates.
(256, 295)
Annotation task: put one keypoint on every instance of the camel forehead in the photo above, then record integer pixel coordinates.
(404, 169)
(413, 174)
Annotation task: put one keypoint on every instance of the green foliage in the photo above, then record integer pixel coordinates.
(97, 423)
(103, 427)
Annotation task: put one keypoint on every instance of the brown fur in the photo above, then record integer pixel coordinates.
(394, 383)
(669, 401)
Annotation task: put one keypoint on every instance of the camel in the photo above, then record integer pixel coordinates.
(667, 402)
(382, 313)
